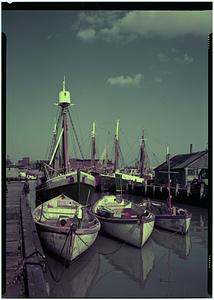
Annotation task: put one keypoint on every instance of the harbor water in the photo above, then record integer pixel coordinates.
(169, 264)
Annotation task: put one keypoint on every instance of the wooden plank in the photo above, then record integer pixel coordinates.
(36, 284)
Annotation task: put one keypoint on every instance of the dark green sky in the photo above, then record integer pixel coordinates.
(147, 69)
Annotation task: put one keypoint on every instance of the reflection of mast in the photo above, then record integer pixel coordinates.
(93, 146)
(116, 147)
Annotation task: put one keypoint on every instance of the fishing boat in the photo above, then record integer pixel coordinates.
(59, 178)
(124, 220)
(128, 181)
(167, 216)
(66, 228)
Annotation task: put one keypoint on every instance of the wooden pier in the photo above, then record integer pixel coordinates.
(24, 274)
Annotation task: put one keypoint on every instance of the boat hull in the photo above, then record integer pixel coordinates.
(66, 228)
(67, 247)
(130, 232)
(69, 186)
(179, 224)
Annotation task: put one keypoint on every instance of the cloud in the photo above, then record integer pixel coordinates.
(158, 79)
(87, 34)
(131, 25)
(162, 57)
(125, 81)
(185, 59)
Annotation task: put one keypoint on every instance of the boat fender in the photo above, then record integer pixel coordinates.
(63, 222)
(181, 211)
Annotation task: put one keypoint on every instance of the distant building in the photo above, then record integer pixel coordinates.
(24, 162)
(184, 168)
(87, 164)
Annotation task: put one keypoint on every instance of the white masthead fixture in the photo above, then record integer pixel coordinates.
(93, 130)
(117, 131)
(64, 96)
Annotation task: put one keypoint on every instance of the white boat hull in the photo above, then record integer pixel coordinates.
(65, 227)
(132, 233)
(75, 244)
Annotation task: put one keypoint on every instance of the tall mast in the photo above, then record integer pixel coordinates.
(169, 179)
(93, 145)
(116, 148)
(64, 103)
(141, 166)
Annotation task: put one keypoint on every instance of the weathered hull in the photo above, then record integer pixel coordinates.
(179, 224)
(107, 183)
(67, 247)
(131, 232)
(68, 185)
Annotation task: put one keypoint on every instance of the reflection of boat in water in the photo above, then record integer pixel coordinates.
(77, 279)
(136, 263)
(179, 244)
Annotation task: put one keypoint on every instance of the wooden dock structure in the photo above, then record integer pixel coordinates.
(23, 258)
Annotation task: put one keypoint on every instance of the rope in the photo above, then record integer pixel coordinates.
(115, 250)
(75, 133)
(56, 280)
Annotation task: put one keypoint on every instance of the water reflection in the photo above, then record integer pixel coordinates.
(77, 278)
(179, 244)
(134, 262)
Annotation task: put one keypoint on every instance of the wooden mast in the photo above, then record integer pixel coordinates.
(169, 179)
(116, 148)
(141, 166)
(64, 102)
(93, 146)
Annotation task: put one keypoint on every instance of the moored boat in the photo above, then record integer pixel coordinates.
(59, 178)
(66, 228)
(167, 216)
(174, 219)
(124, 220)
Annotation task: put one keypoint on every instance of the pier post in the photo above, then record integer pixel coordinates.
(176, 189)
(188, 189)
(201, 190)
(153, 190)
(145, 191)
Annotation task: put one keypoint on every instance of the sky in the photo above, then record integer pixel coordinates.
(148, 69)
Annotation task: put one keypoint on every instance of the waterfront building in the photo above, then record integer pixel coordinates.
(184, 169)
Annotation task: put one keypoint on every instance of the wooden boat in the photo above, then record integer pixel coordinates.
(124, 220)
(127, 181)
(65, 227)
(167, 216)
(59, 178)
(173, 219)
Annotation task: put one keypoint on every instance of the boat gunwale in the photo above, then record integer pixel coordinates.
(44, 227)
(127, 221)
(44, 185)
